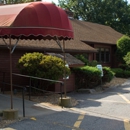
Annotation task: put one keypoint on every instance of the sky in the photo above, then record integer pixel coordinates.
(56, 1)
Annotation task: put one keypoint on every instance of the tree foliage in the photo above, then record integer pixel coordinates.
(17, 1)
(84, 58)
(127, 58)
(123, 47)
(114, 13)
(43, 66)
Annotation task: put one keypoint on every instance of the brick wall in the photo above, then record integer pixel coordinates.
(69, 83)
(5, 67)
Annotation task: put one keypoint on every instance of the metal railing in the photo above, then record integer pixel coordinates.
(30, 86)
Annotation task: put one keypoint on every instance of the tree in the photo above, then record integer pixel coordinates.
(114, 13)
(123, 47)
(17, 1)
(127, 58)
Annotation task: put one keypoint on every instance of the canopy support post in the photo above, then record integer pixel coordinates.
(5, 43)
(64, 69)
(10, 55)
(15, 45)
(11, 87)
(58, 42)
(63, 50)
(8, 46)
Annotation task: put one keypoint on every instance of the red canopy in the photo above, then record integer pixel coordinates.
(36, 20)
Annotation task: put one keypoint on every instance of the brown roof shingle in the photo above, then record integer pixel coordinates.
(93, 32)
(51, 45)
(83, 31)
(71, 60)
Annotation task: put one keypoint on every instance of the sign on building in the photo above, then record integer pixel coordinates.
(100, 68)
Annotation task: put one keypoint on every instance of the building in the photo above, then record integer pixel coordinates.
(98, 41)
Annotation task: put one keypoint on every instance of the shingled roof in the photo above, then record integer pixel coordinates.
(46, 45)
(83, 32)
(71, 60)
(93, 32)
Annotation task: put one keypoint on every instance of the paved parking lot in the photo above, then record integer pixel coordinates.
(107, 110)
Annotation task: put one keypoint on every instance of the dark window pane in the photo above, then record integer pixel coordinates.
(98, 55)
(102, 54)
(107, 55)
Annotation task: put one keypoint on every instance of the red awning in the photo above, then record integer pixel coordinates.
(36, 20)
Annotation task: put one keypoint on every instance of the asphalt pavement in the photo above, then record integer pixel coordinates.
(104, 110)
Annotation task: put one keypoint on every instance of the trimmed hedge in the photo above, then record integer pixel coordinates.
(108, 74)
(121, 72)
(87, 77)
(124, 66)
(90, 77)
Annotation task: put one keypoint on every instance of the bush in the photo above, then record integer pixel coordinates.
(126, 74)
(87, 77)
(118, 72)
(93, 63)
(84, 59)
(123, 47)
(121, 73)
(43, 66)
(127, 59)
(124, 67)
(90, 77)
(108, 74)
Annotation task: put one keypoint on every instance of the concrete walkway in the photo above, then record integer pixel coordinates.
(31, 108)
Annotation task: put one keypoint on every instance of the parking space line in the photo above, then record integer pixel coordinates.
(126, 121)
(128, 101)
(78, 122)
(127, 124)
(81, 117)
(33, 118)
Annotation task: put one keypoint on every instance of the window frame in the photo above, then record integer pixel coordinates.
(102, 56)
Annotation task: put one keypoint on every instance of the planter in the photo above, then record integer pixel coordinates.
(65, 102)
(10, 114)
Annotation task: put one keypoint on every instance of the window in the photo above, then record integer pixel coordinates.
(103, 55)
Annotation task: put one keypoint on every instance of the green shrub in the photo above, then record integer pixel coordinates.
(93, 63)
(87, 77)
(124, 67)
(121, 73)
(118, 72)
(123, 47)
(108, 74)
(126, 74)
(127, 59)
(83, 58)
(43, 66)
